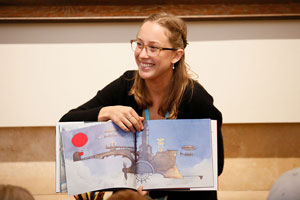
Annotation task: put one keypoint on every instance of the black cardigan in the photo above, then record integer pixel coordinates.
(196, 104)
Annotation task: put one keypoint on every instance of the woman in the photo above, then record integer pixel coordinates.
(161, 88)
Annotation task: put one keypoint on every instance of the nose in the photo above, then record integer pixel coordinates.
(144, 53)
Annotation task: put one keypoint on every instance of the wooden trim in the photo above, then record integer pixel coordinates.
(134, 13)
(261, 140)
(265, 140)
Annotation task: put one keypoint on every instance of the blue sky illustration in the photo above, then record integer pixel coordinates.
(180, 133)
(99, 136)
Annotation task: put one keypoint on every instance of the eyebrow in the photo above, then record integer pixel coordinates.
(151, 42)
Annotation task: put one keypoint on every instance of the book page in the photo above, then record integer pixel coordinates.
(214, 143)
(98, 157)
(175, 154)
(61, 182)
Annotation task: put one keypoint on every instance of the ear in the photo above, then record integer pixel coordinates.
(178, 54)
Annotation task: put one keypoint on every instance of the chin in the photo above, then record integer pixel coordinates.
(144, 75)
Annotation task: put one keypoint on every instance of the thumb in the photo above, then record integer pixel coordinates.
(141, 192)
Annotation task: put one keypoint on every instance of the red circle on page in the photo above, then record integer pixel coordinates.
(79, 139)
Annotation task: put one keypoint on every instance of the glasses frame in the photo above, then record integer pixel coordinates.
(147, 46)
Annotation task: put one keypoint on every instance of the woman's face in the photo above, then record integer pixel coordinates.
(154, 67)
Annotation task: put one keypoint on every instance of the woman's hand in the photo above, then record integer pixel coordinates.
(124, 116)
(141, 192)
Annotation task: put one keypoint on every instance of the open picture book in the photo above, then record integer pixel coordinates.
(167, 154)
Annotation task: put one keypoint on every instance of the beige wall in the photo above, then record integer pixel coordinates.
(250, 67)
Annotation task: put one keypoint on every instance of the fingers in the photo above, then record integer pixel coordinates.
(136, 121)
(133, 122)
(122, 126)
(123, 116)
(141, 192)
(128, 122)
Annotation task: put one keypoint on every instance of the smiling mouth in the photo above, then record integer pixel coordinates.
(145, 65)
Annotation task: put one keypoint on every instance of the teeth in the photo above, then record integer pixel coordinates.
(146, 65)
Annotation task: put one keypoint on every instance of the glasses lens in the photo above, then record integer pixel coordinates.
(153, 51)
(150, 50)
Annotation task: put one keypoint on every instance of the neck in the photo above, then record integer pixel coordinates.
(158, 88)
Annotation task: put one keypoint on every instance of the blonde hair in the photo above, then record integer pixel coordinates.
(177, 33)
(11, 192)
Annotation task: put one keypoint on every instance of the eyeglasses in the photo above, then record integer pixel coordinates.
(151, 50)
